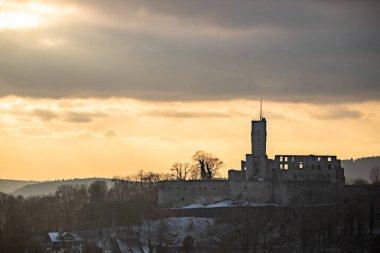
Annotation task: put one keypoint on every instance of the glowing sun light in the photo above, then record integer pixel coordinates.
(18, 20)
(25, 15)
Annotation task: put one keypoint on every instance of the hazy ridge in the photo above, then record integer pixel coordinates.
(360, 168)
(10, 185)
(49, 187)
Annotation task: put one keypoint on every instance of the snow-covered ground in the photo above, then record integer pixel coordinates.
(175, 229)
(193, 206)
(226, 203)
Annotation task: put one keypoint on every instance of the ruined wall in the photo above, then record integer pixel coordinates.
(234, 175)
(259, 192)
(181, 193)
(308, 168)
(307, 192)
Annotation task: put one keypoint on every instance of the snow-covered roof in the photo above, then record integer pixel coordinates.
(112, 244)
(126, 245)
(54, 236)
(129, 245)
(59, 237)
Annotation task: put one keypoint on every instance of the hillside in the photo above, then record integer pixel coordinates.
(49, 187)
(9, 185)
(359, 168)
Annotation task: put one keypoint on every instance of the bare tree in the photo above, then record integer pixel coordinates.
(181, 171)
(194, 172)
(71, 199)
(374, 175)
(360, 181)
(98, 191)
(167, 176)
(164, 235)
(207, 164)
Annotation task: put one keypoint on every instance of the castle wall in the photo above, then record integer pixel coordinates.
(181, 193)
(307, 192)
(259, 192)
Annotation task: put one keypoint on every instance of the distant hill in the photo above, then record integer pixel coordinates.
(359, 168)
(9, 185)
(50, 187)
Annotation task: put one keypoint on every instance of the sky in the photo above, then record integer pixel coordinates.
(107, 88)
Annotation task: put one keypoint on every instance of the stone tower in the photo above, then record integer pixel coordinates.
(257, 162)
(259, 137)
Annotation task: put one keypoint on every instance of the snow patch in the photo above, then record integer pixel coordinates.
(226, 203)
(193, 206)
(198, 228)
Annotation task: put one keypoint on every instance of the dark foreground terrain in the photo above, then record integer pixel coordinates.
(127, 213)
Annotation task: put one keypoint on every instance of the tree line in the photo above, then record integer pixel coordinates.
(22, 218)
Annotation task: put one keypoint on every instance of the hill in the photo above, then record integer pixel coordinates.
(9, 185)
(49, 187)
(359, 168)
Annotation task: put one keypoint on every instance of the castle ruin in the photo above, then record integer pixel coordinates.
(284, 180)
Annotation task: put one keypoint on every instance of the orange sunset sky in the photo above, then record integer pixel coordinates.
(107, 88)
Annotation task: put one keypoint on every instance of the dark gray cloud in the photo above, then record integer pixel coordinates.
(195, 50)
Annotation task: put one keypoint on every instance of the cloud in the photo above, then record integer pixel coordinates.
(32, 131)
(110, 133)
(21, 110)
(186, 114)
(81, 117)
(200, 50)
(338, 113)
(168, 138)
(45, 115)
